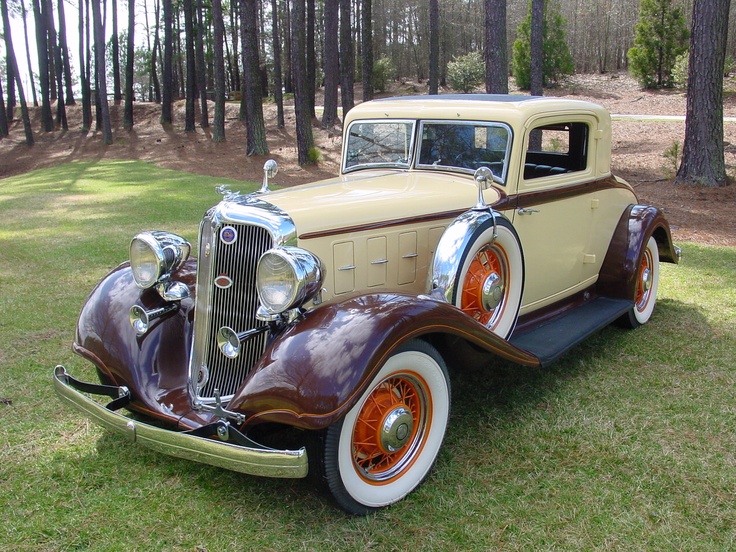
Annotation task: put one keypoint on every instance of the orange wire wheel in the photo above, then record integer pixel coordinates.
(390, 426)
(485, 290)
(388, 441)
(644, 279)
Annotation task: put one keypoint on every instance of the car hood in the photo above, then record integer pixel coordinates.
(368, 197)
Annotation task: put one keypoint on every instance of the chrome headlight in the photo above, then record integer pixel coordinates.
(287, 277)
(154, 255)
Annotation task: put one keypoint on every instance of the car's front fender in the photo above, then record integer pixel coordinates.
(314, 372)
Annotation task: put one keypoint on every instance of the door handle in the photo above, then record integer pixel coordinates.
(525, 211)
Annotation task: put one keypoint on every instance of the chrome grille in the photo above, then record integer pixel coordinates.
(234, 306)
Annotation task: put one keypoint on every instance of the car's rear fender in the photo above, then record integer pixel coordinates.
(314, 372)
(637, 224)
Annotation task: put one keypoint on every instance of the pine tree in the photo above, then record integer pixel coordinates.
(659, 37)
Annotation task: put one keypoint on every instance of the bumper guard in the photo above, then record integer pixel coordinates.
(240, 454)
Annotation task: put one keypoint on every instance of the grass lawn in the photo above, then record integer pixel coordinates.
(626, 443)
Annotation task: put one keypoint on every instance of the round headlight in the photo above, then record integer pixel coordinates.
(287, 277)
(153, 255)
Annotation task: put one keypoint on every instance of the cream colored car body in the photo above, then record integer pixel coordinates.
(376, 229)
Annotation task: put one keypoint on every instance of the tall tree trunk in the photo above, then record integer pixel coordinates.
(47, 120)
(252, 91)
(60, 104)
(9, 69)
(4, 130)
(218, 121)
(304, 138)
(347, 58)
(311, 57)
(496, 52)
(48, 13)
(434, 46)
(28, 50)
(13, 64)
(331, 64)
(129, 68)
(366, 43)
(84, 56)
(155, 54)
(64, 48)
(201, 67)
(115, 47)
(277, 83)
(703, 160)
(101, 73)
(191, 81)
(168, 75)
(537, 48)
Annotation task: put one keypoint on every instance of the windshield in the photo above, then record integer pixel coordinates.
(379, 143)
(464, 146)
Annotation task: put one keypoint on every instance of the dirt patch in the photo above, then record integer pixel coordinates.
(696, 214)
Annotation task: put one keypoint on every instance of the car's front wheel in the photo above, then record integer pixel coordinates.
(388, 442)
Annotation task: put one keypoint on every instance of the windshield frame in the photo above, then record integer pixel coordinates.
(382, 165)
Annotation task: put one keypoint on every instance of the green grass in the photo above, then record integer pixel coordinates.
(627, 443)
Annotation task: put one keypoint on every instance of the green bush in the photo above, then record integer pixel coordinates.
(384, 71)
(465, 73)
(660, 36)
(680, 70)
(557, 60)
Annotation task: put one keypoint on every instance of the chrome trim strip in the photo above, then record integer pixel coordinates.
(254, 461)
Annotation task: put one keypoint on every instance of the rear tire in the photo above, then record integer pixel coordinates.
(388, 442)
(647, 283)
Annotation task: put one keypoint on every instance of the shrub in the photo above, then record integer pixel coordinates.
(384, 71)
(680, 69)
(466, 72)
(659, 37)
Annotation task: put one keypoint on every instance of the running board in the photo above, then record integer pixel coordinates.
(554, 338)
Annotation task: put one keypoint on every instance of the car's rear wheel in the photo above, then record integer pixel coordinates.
(490, 282)
(647, 283)
(388, 442)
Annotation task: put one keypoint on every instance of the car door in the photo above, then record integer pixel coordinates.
(555, 208)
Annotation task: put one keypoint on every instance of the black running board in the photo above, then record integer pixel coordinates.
(554, 338)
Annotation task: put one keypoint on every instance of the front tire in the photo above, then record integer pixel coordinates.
(490, 282)
(647, 283)
(388, 442)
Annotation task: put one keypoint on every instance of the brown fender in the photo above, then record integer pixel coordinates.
(316, 370)
(637, 224)
(153, 366)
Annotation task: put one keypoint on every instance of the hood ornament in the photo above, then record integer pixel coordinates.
(226, 193)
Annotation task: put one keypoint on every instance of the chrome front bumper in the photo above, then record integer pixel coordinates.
(246, 457)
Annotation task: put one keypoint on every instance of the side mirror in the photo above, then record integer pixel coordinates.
(482, 177)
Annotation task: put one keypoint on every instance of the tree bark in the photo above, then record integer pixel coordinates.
(100, 70)
(537, 49)
(434, 46)
(201, 67)
(47, 120)
(218, 121)
(331, 64)
(252, 93)
(366, 44)
(28, 49)
(129, 68)
(191, 81)
(703, 161)
(64, 47)
(168, 73)
(13, 64)
(311, 58)
(84, 70)
(496, 51)
(277, 82)
(304, 138)
(347, 59)
(115, 47)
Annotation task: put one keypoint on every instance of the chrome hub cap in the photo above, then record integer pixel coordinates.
(396, 429)
(492, 291)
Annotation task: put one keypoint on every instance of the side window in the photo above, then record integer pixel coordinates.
(556, 149)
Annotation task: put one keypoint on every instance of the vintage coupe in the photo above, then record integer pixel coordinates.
(317, 327)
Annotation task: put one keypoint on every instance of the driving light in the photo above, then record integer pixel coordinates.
(154, 255)
(287, 277)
